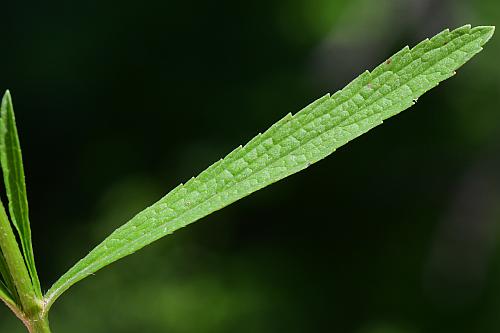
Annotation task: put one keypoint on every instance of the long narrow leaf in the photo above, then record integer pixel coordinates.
(291, 145)
(13, 173)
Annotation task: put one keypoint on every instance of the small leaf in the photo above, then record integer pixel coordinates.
(291, 145)
(14, 261)
(13, 173)
(7, 278)
(5, 295)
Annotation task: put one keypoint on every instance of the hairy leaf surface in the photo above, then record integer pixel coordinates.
(291, 145)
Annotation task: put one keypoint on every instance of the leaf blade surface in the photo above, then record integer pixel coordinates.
(291, 145)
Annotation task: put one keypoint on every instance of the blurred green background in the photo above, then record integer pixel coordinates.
(118, 102)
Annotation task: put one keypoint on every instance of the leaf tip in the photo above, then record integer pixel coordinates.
(5, 104)
(487, 32)
(7, 98)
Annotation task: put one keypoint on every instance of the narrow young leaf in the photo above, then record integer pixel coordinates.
(7, 279)
(291, 145)
(13, 173)
(5, 295)
(16, 266)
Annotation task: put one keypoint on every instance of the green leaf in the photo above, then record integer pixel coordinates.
(5, 295)
(291, 145)
(7, 278)
(13, 173)
(14, 261)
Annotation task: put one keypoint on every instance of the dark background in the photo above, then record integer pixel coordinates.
(119, 101)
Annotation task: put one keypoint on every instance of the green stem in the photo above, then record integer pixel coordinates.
(40, 325)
